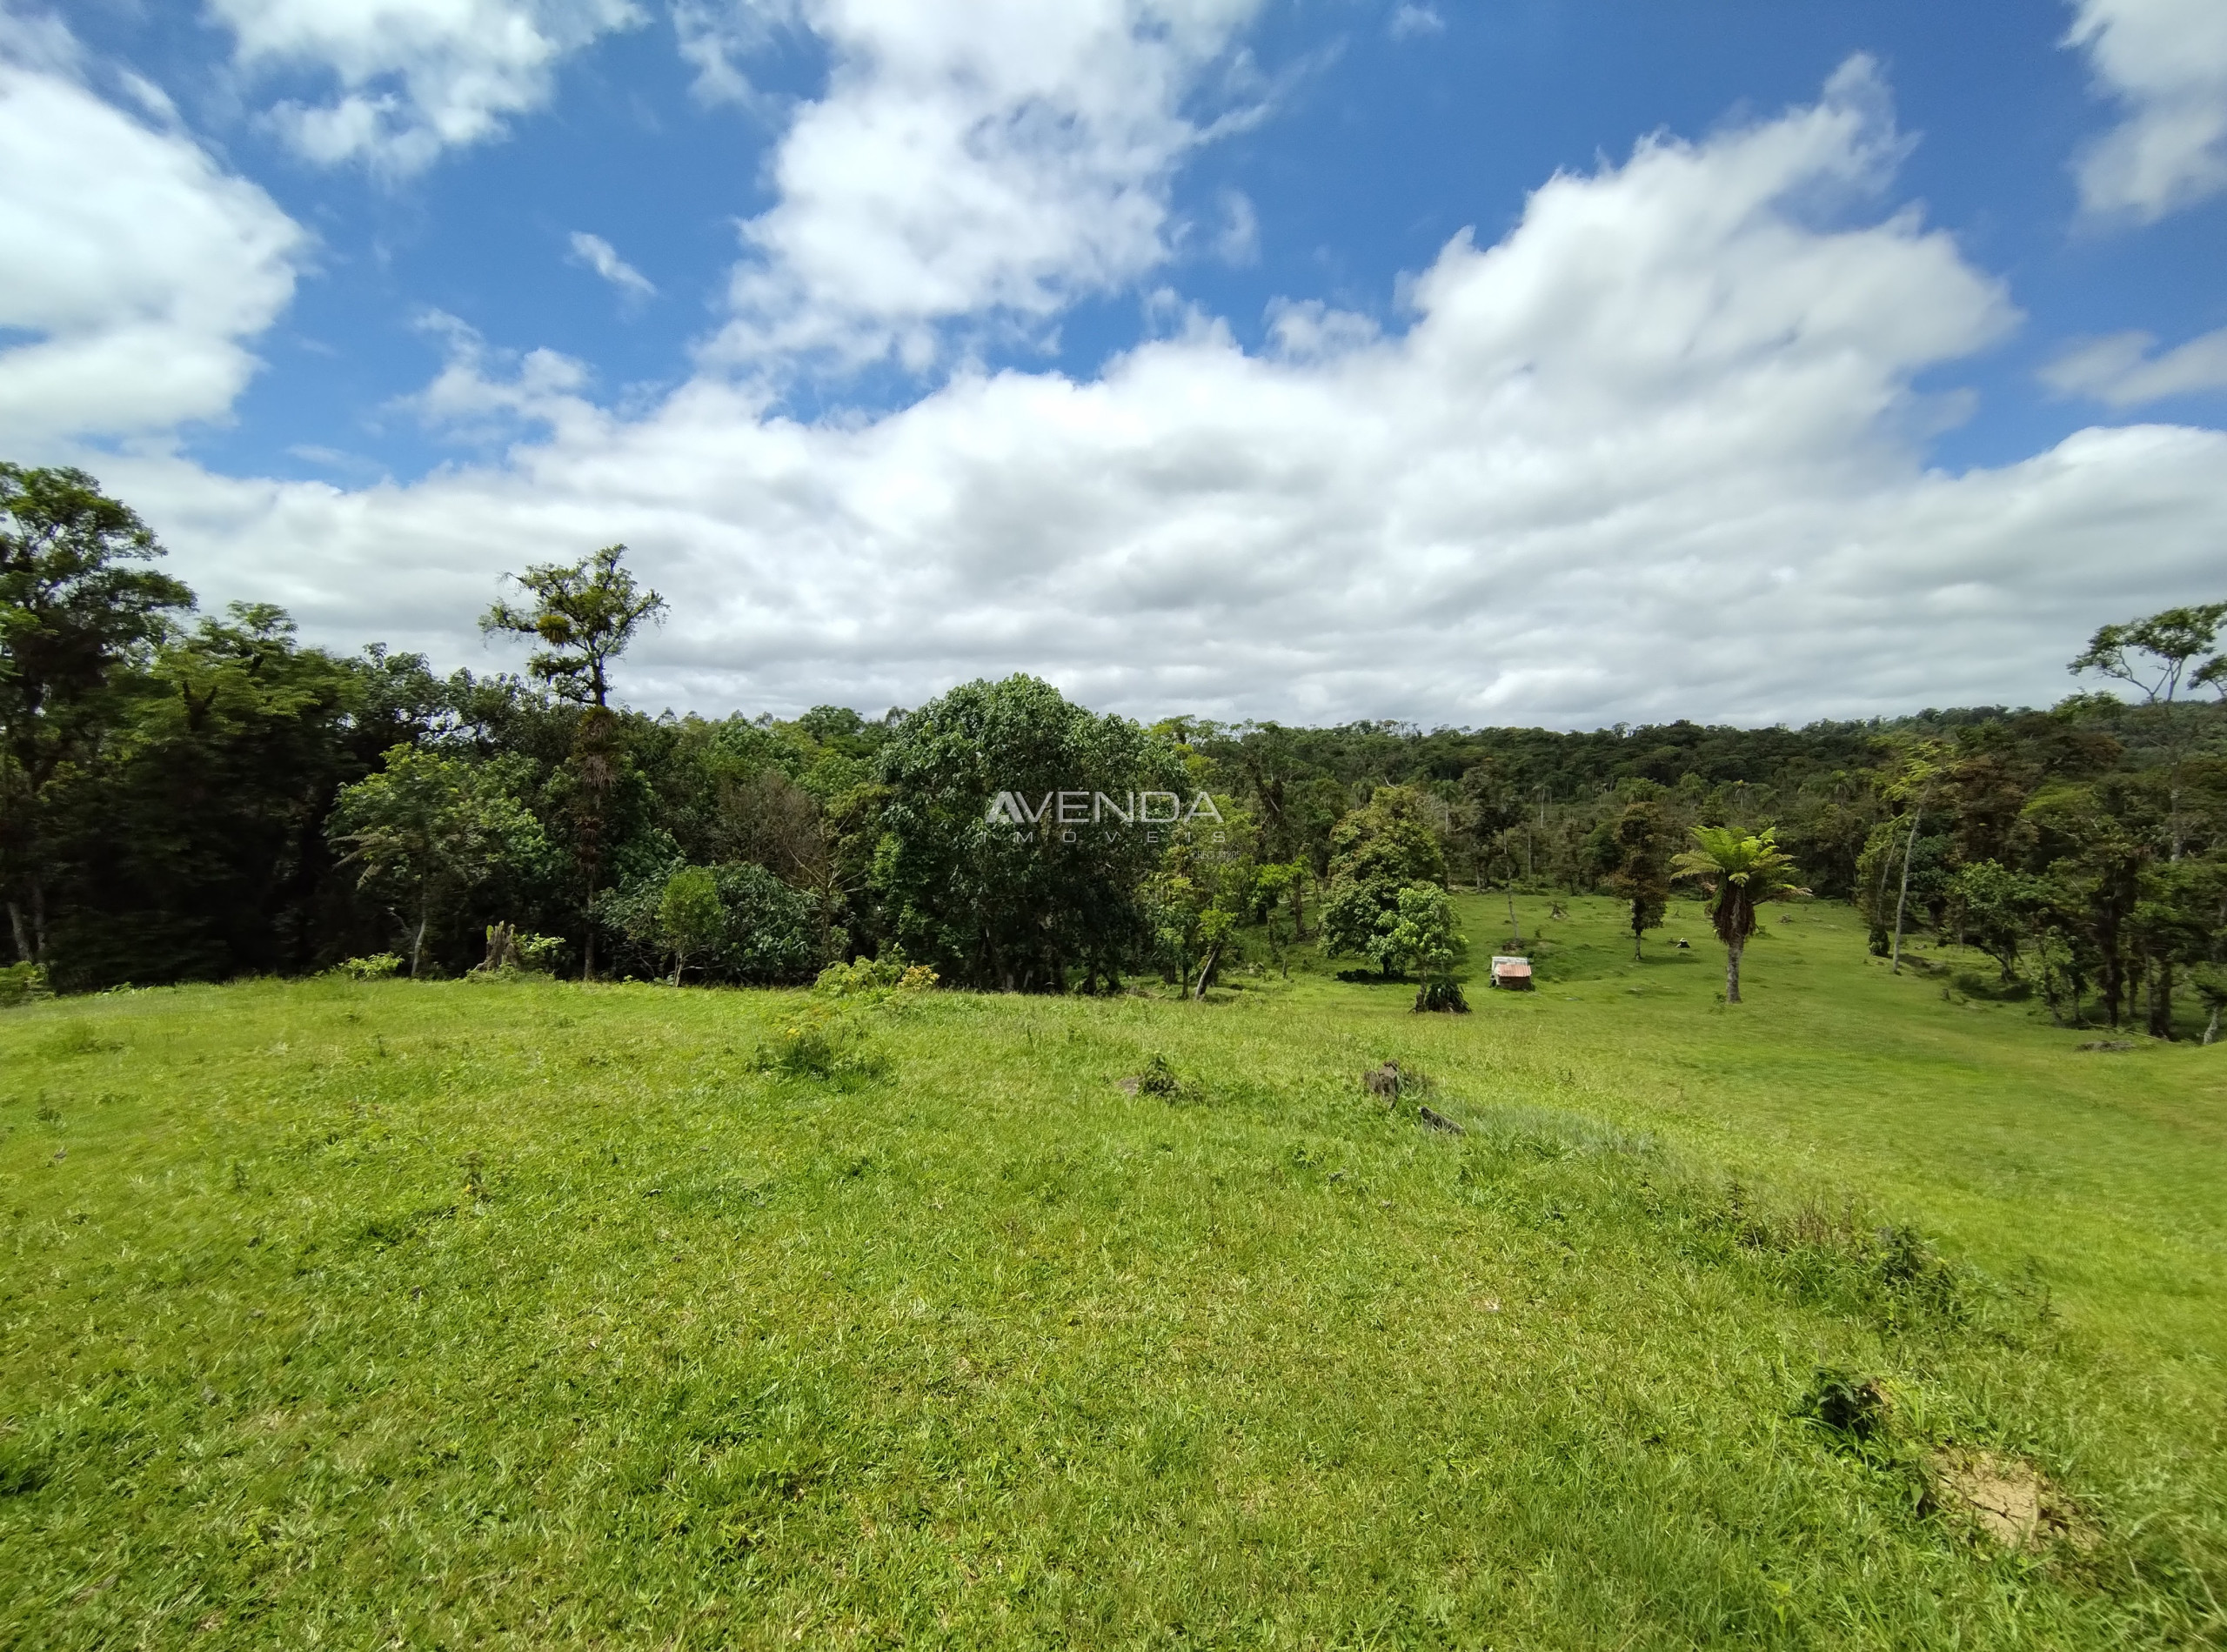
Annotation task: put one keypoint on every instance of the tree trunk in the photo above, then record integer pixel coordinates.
(1515, 928)
(418, 940)
(1635, 933)
(22, 935)
(1207, 970)
(1902, 900)
(1732, 971)
(2211, 1027)
(2161, 1000)
(38, 918)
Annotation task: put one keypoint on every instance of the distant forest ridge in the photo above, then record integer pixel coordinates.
(188, 797)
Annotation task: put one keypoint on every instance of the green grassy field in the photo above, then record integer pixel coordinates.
(341, 1314)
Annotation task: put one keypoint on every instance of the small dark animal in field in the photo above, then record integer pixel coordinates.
(1439, 1121)
(1384, 1081)
(1683, 944)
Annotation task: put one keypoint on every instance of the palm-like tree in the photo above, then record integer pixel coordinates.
(1738, 875)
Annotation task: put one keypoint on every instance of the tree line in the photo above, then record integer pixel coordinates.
(190, 796)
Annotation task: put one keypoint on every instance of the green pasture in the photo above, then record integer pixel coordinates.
(527, 1315)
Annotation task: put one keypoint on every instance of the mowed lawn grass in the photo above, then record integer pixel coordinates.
(531, 1314)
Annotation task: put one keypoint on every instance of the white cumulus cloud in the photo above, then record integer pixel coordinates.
(2121, 370)
(412, 79)
(1654, 454)
(593, 252)
(139, 268)
(997, 160)
(2166, 61)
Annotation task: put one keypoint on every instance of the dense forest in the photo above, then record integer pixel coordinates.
(202, 798)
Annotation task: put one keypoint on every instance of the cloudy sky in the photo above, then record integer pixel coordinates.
(1515, 361)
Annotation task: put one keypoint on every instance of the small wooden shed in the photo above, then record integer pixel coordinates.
(1514, 973)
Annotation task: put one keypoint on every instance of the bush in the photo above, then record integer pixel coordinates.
(21, 983)
(1442, 993)
(376, 966)
(1159, 1078)
(1851, 1407)
(874, 978)
(512, 951)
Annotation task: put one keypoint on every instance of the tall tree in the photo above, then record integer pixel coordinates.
(2160, 655)
(1633, 852)
(1917, 769)
(585, 614)
(1737, 874)
(76, 607)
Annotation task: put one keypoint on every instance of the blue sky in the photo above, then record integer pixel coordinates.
(1042, 335)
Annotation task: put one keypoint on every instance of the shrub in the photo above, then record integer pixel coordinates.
(1851, 1407)
(512, 951)
(540, 953)
(873, 977)
(1442, 993)
(21, 983)
(375, 966)
(1159, 1078)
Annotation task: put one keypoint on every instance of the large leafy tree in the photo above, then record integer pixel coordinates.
(78, 609)
(1426, 938)
(1377, 852)
(1738, 872)
(585, 614)
(1994, 909)
(1015, 907)
(427, 829)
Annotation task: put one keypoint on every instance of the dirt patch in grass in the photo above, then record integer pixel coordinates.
(2008, 1502)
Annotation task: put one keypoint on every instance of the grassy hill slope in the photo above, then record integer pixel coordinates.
(345, 1315)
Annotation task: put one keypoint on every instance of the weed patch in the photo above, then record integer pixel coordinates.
(826, 1047)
